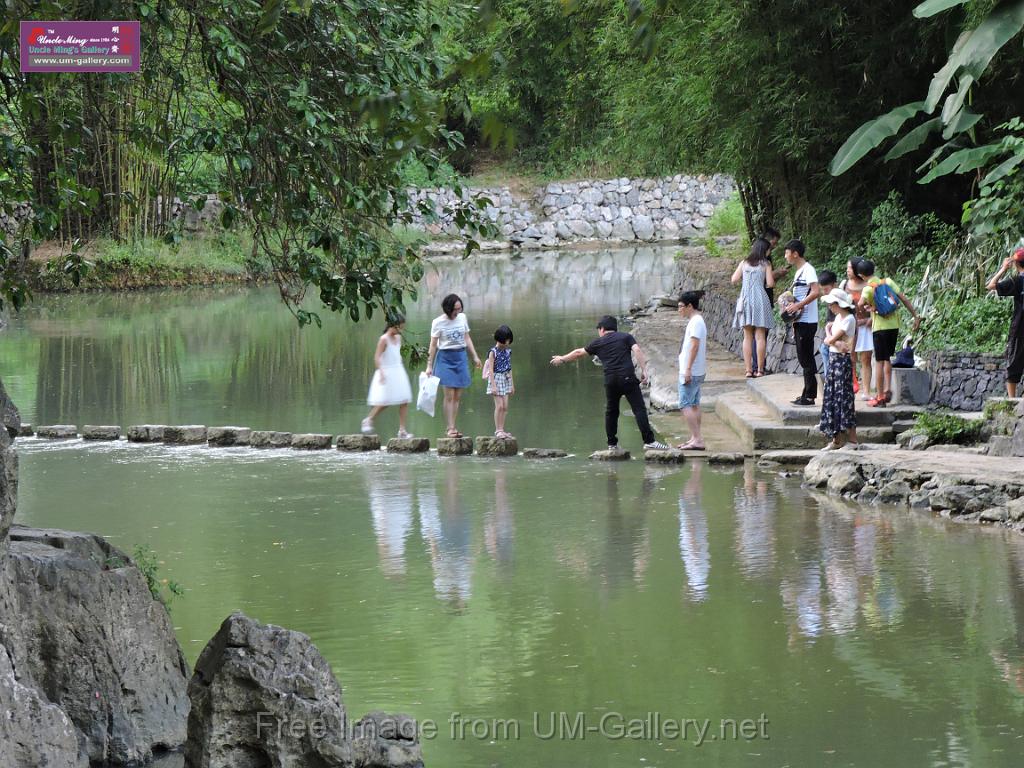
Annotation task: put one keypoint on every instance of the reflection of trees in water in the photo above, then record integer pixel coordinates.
(105, 377)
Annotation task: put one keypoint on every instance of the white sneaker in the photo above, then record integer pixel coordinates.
(657, 445)
(403, 435)
(367, 427)
(615, 450)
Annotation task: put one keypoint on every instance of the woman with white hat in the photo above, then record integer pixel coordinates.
(838, 417)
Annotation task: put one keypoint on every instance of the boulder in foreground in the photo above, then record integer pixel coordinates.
(264, 696)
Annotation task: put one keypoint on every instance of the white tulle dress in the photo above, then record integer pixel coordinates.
(395, 389)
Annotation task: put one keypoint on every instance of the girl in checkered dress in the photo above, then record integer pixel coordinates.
(498, 372)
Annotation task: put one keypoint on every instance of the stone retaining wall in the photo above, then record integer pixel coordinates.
(964, 380)
(626, 210)
(719, 308)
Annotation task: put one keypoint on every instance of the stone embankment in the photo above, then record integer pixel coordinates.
(612, 210)
(963, 381)
(91, 671)
(961, 485)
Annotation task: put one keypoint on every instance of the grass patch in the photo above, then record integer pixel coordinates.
(727, 221)
(945, 428)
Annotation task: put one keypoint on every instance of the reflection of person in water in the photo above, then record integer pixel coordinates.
(1010, 659)
(628, 539)
(390, 494)
(755, 524)
(837, 555)
(499, 524)
(693, 536)
(446, 529)
(801, 592)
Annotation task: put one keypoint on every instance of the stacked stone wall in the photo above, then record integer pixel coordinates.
(617, 210)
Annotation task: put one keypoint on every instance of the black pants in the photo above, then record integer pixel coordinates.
(805, 333)
(614, 388)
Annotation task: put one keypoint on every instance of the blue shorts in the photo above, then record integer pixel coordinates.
(689, 394)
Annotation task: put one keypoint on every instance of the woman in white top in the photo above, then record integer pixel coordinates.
(447, 357)
(838, 417)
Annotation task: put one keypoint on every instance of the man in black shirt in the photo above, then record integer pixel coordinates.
(615, 351)
(1013, 286)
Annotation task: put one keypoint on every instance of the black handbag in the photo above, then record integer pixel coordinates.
(904, 358)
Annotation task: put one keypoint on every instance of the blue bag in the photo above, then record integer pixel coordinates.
(886, 300)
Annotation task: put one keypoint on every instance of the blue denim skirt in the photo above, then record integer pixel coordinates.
(451, 366)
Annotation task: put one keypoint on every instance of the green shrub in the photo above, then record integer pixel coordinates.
(976, 324)
(727, 219)
(945, 428)
(164, 590)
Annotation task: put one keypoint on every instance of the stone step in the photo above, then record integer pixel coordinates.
(312, 442)
(57, 431)
(146, 433)
(544, 453)
(665, 457)
(759, 428)
(355, 443)
(776, 391)
(263, 438)
(224, 437)
(486, 445)
(454, 446)
(92, 432)
(191, 434)
(610, 456)
(408, 445)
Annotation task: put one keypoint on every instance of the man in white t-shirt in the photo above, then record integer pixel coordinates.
(806, 291)
(692, 366)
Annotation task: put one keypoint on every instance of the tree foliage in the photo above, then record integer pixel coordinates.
(308, 108)
(759, 89)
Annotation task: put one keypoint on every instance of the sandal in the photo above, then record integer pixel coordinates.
(501, 434)
(877, 402)
(750, 374)
(454, 433)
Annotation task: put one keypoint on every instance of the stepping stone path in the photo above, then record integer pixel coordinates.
(224, 437)
(496, 446)
(267, 439)
(665, 457)
(408, 445)
(312, 442)
(90, 432)
(726, 458)
(610, 456)
(358, 442)
(454, 446)
(146, 433)
(190, 434)
(544, 453)
(57, 431)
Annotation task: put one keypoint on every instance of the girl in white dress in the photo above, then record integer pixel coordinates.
(390, 384)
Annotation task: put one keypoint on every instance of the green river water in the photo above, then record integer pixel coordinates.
(501, 593)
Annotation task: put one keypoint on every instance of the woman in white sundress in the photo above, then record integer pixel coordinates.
(753, 308)
(390, 382)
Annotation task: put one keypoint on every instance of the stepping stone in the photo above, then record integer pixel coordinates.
(90, 432)
(454, 446)
(496, 446)
(408, 445)
(188, 434)
(57, 431)
(544, 453)
(224, 437)
(610, 456)
(146, 433)
(268, 439)
(726, 458)
(358, 442)
(26, 431)
(312, 442)
(665, 457)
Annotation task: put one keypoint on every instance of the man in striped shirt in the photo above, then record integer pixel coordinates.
(805, 309)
